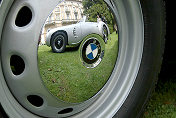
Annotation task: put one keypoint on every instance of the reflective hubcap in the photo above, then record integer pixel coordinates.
(92, 53)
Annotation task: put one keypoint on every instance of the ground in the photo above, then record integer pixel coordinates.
(163, 101)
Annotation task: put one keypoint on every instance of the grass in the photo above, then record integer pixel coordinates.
(66, 77)
(163, 102)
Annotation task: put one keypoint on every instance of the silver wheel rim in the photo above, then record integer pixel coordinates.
(58, 42)
(114, 93)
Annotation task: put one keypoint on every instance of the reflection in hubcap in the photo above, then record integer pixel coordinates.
(58, 42)
(80, 72)
(49, 83)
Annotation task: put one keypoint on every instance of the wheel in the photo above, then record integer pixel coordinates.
(141, 28)
(105, 33)
(58, 42)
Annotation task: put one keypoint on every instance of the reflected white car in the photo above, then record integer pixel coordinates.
(73, 34)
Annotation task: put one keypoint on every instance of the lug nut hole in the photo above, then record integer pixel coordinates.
(35, 100)
(64, 111)
(17, 64)
(24, 17)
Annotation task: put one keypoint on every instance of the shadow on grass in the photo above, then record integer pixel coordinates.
(68, 49)
(71, 49)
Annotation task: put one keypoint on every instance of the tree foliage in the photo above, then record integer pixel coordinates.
(93, 7)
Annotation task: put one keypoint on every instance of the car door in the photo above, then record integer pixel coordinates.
(77, 33)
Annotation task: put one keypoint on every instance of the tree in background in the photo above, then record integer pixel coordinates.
(93, 7)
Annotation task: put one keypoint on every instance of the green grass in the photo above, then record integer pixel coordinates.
(66, 77)
(163, 102)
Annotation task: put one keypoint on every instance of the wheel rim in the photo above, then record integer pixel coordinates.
(59, 42)
(120, 82)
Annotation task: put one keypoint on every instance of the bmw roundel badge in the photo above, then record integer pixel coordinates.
(92, 52)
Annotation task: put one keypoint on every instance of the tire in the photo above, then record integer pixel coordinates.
(58, 42)
(125, 95)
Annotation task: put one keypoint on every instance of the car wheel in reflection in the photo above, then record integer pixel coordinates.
(58, 42)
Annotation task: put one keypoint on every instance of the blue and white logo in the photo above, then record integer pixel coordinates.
(91, 51)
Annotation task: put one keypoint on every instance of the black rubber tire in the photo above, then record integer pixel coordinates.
(154, 40)
(63, 40)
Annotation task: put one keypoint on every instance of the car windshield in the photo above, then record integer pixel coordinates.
(84, 19)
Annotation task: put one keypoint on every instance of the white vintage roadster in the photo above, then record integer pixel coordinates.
(73, 34)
